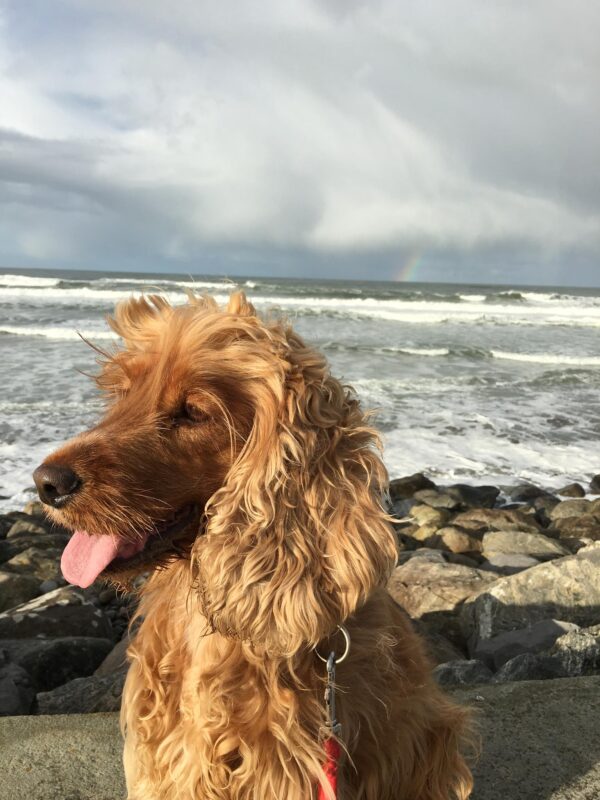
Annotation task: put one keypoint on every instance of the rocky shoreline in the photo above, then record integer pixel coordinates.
(502, 582)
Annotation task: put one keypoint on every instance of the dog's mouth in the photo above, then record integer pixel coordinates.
(89, 555)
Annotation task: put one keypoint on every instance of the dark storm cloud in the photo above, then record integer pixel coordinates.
(345, 138)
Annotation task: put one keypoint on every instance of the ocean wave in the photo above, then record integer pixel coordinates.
(26, 281)
(548, 358)
(56, 333)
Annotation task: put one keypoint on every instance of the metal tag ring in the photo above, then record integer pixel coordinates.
(344, 631)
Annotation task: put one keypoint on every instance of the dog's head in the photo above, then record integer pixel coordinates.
(226, 442)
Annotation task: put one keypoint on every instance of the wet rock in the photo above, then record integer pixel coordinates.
(52, 662)
(84, 695)
(525, 492)
(572, 490)
(116, 660)
(567, 589)
(543, 507)
(43, 562)
(16, 692)
(595, 485)
(402, 508)
(48, 586)
(455, 540)
(528, 667)
(474, 496)
(403, 488)
(534, 545)
(586, 525)
(426, 515)
(508, 563)
(497, 519)
(8, 520)
(570, 508)
(438, 498)
(27, 527)
(533, 639)
(462, 673)
(63, 612)
(35, 508)
(12, 547)
(16, 589)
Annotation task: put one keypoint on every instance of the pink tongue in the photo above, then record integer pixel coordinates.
(85, 556)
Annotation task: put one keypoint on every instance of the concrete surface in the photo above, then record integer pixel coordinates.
(541, 742)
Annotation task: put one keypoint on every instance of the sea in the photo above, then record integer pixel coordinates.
(470, 383)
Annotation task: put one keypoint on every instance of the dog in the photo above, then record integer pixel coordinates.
(247, 481)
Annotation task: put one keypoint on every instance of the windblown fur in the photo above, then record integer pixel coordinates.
(224, 696)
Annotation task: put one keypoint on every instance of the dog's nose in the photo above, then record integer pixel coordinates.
(55, 484)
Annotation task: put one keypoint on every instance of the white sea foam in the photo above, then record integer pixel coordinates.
(432, 352)
(26, 280)
(548, 358)
(56, 333)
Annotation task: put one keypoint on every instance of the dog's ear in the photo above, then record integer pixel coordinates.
(297, 538)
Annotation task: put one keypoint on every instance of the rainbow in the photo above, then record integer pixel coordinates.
(408, 270)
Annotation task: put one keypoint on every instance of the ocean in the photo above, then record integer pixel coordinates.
(470, 383)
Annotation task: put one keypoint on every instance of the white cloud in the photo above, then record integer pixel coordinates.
(325, 126)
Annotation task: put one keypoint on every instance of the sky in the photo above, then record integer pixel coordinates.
(421, 140)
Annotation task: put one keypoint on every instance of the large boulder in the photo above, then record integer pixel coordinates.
(462, 673)
(567, 589)
(28, 527)
(497, 519)
(508, 563)
(534, 639)
(63, 612)
(16, 691)
(570, 508)
(52, 662)
(585, 526)
(474, 496)
(43, 562)
(572, 490)
(16, 589)
(404, 488)
(454, 540)
(116, 660)
(84, 695)
(14, 546)
(535, 545)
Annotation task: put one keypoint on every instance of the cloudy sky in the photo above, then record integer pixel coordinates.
(430, 140)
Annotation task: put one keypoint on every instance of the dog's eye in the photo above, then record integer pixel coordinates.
(189, 414)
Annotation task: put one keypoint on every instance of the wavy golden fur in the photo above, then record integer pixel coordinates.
(236, 415)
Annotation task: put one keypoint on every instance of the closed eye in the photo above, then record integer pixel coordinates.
(190, 414)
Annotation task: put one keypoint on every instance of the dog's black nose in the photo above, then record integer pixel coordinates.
(55, 484)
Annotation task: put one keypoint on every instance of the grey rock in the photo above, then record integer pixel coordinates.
(497, 519)
(116, 660)
(578, 652)
(62, 612)
(528, 667)
(84, 695)
(595, 485)
(42, 562)
(474, 496)
(572, 490)
(535, 545)
(438, 498)
(403, 488)
(402, 508)
(16, 545)
(585, 526)
(426, 515)
(567, 589)
(426, 553)
(570, 508)
(27, 527)
(52, 662)
(508, 563)
(462, 673)
(534, 639)
(48, 586)
(16, 589)
(525, 492)
(16, 691)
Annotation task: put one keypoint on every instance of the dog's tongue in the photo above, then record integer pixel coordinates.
(86, 555)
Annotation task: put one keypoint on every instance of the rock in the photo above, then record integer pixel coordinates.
(107, 596)
(508, 563)
(84, 695)
(16, 589)
(424, 532)
(528, 667)
(48, 586)
(426, 553)
(62, 612)
(525, 492)
(534, 639)
(16, 691)
(426, 515)
(17, 544)
(587, 525)
(116, 659)
(34, 507)
(403, 488)
(433, 591)
(471, 560)
(402, 508)
(455, 540)
(44, 563)
(595, 485)
(462, 673)
(543, 507)
(27, 527)
(474, 496)
(578, 652)
(437, 498)
(572, 490)
(52, 662)
(567, 589)
(496, 519)
(570, 508)
(535, 545)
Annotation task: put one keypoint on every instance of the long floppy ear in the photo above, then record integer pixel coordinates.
(297, 538)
